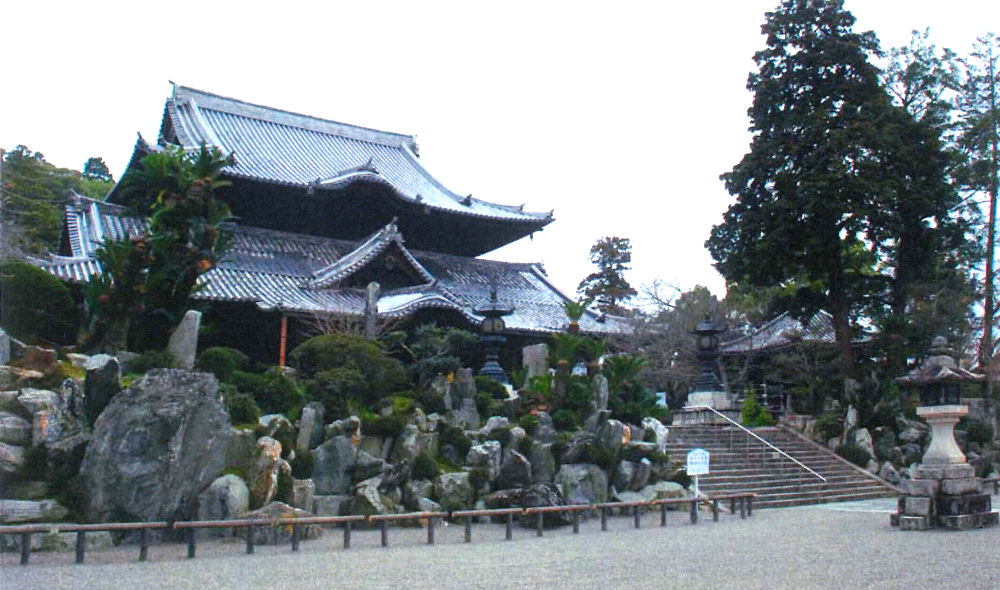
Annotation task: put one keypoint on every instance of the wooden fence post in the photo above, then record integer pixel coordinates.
(81, 542)
(604, 519)
(663, 515)
(510, 526)
(715, 510)
(694, 511)
(25, 548)
(250, 540)
(430, 530)
(295, 537)
(385, 533)
(576, 522)
(538, 524)
(143, 545)
(190, 540)
(347, 534)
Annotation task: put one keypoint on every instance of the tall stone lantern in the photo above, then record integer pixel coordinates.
(708, 390)
(491, 336)
(944, 490)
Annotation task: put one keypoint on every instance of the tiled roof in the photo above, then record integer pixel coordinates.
(298, 150)
(785, 330)
(299, 273)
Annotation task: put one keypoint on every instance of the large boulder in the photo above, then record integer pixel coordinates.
(416, 489)
(660, 432)
(333, 462)
(465, 415)
(37, 400)
(12, 458)
(407, 446)
(19, 511)
(545, 432)
(514, 473)
(366, 467)
(239, 449)
(310, 427)
(183, 343)
(369, 499)
(329, 505)
(863, 439)
(612, 434)
(486, 455)
(101, 384)
(631, 476)
(226, 498)
(155, 447)
(349, 427)
(582, 483)
(453, 491)
(303, 493)
(600, 400)
(14, 430)
(279, 534)
(265, 470)
(537, 495)
(543, 463)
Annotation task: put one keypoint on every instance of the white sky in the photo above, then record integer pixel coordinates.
(620, 116)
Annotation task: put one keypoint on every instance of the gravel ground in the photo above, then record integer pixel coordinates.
(849, 545)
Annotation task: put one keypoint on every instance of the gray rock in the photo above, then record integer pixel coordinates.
(851, 419)
(368, 499)
(863, 439)
(515, 472)
(4, 347)
(393, 475)
(9, 404)
(375, 446)
(440, 386)
(600, 388)
(889, 473)
(310, 427)
(465, 415)
(494, 422)
(427, 505)
(611, 434)
(265, 470)
(14, 430)
(65, 455)
(545, 432)
(535, 359)
(332, 464)
(102, 382)
(631, 476)
(575, 447)
(417, 418)
(71, 392)
(349, 427)
(912, 435)
(366, 467)
(77, 360)
(36, 400)
(407, 446)
(453, 491)
(18, 511)
(155, 447)
(303, 493)
(227, 498)
(329, 505)
(485, 455)
(281, 534)
(537, 495)
(183, 343)
(659, 430)
(416, 489)
(543, 464)
(463, 387)
(239, 449)
(582, 483)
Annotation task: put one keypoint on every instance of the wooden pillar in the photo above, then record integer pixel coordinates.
(283, 343)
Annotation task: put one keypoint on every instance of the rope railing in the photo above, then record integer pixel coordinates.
(744, 500)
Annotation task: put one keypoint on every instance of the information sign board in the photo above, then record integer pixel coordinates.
(697, 462)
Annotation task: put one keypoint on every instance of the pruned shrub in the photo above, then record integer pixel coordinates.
(829, 425)
(854, 454)
(242, 407)
(564, 420)
(979, 432)
(380, 374)
(431, 401)
(501, 435)
(451, 435)
(382, 426)
(479, 477)
(483, 403)
(36, 305)
(525, 445)
(302, 465)
(424, 467)
(222, 362)
(529, 422)
(597, 455)
(754, 414)
(494, 388)
(274, 391)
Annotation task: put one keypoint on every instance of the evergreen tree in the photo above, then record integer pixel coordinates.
(608, 287)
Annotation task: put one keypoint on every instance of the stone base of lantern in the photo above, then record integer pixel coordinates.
(944, 496)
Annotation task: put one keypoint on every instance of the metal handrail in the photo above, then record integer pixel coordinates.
(749, 432)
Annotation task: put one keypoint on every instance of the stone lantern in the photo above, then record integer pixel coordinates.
(708, 390)
(492, 338)
(943, 490)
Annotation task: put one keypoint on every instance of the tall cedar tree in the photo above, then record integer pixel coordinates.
(608, 287)
(979, 112)
(838, 183)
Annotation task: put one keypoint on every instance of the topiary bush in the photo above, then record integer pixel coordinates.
(451, 435)
(222, 362)
(829, 425)
(242, 407)
(479, 478)
(274, 391)
(854, 454)
(483, 403)
(529, 422)
(302, 465)
(564, 420)
(424, 467)
(382, 426)
(149, 360)
(754, 414)
(380, 374)
(494, 388)
(524, 445)
(431, 401)
(36, 305)
(501, 435)
(597, 455)
(979, 432)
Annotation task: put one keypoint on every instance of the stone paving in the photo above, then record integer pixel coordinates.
(846, 545)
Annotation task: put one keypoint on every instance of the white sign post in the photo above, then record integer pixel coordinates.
(697, 464)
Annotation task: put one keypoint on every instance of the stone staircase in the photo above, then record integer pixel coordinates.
(739, 466)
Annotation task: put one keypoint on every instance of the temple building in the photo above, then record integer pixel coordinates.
(322, 210)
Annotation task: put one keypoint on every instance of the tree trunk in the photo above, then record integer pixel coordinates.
(841, 325)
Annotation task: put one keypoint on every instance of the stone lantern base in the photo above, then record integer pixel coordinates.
(944, 491)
